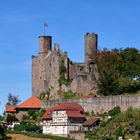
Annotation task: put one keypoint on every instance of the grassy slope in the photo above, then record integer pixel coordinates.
(118, 126)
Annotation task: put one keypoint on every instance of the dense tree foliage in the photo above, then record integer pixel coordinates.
(119, 71)
(29, 127)
(11, 118)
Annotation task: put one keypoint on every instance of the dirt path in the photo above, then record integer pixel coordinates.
(23, 137)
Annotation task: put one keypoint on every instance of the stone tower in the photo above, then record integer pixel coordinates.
(91, 43)
(45, 45)
(38, 64)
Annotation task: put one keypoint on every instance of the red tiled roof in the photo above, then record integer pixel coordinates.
(68, 106)
(10, 109)
(47, 114)
(88, 96)
(72, 109)
(90, 121)
(33, 102)
(75, 114)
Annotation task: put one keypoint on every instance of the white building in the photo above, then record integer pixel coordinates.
(63, 118)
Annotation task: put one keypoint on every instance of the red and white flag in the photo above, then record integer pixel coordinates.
(45, 25)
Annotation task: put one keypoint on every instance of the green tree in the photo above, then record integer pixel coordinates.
(13, 99)
(119, 71)
(11, 118)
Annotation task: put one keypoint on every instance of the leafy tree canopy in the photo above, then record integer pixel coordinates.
(119, 71)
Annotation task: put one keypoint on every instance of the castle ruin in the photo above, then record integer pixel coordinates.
(53, 71)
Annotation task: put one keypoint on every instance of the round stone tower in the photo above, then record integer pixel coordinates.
(45, 45)
(91, 41)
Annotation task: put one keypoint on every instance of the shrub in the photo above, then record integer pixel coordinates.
(92, 113)
(62, 67)
(32, 128)
(44, 95)
(63, 80)
(69, 94)
(87, 113)
(114, 111)
(119, 117)
(19, 127)
(33, 113)
(26, 127)
(11, 118)
(2, 131)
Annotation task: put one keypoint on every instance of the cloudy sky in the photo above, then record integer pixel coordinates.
(21, 22)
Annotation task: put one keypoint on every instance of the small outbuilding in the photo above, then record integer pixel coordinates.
(91, 124)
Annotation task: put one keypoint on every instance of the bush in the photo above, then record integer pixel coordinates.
(44, 95)
(26, 127)
(63, 80)
(87, 113)
(119, 117)
(11, 118)
(32, 128)
(19, 127)
(69, 94)
(114, 111)
(33, 113)
(2, 131)
(92, 113)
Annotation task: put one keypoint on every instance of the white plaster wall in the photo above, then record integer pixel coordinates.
(47, 129)
(60, 130)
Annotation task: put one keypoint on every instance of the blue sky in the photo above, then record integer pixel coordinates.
(21, 22)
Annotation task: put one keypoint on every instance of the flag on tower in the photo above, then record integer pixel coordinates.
(45, 25)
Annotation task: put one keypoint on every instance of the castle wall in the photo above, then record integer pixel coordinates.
(83, 85)
(52, 74)
(35, 75)
(75, 69)
(100, 104)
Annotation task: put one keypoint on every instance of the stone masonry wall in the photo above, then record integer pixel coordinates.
(100, 104)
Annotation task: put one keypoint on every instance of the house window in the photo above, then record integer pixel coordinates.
(63, 128)
(57, 113)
